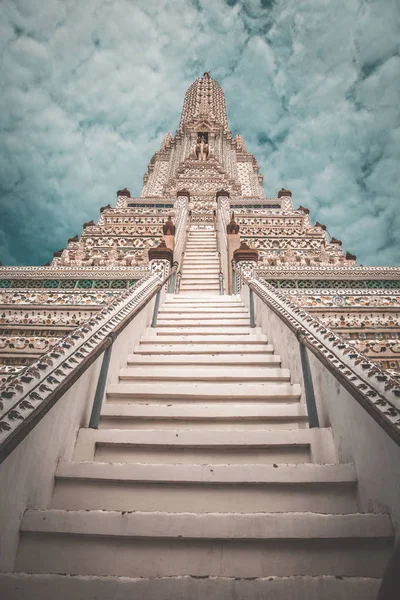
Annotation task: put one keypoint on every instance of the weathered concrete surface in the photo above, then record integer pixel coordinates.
(48, 587)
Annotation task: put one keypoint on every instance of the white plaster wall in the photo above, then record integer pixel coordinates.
(27, 475)
(358, 437)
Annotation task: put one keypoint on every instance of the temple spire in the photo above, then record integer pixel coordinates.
(204, 100)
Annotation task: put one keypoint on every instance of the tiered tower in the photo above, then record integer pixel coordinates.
(179, 419)
(201, 162)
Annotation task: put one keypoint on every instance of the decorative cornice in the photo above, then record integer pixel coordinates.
(61, 272)
(304, 272)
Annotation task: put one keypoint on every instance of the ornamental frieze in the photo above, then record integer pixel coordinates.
(126, 230)
(386, 348)
(31, 345)
(327, 271)
(275, 221)
(348, 284)
(345, 300)
(60, 317)
(76, 272)
(265, 231)
(114, 284)
(65, 297)
(108, 242)
(282, 243)
(358, 320)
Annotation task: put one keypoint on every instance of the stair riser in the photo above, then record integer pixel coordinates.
(223, 311)
(174, 322)
(92, 588)
(159, 398)
(254, 360)
(198, 424)
(194, 287)
(199, 286)
(196, 284)
(187, 455)
(226, 301)
(190, 330)
(240, 316)
(174, 497)
(191, 273)
(95, 555)
(188, 373)
(192, 349)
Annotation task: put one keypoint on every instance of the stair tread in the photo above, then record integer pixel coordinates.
(195, 337)
(222, 410)
(191, 373)
(239, 438)
(204, 389)
(237, 526)
(238, 360)
(195, 473)
(160, 347)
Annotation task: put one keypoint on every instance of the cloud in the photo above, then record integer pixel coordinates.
(90, 88)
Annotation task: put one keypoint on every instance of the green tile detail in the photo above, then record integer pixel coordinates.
(84, 283)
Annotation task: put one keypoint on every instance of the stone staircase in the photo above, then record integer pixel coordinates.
(203, 480)
(201, 250)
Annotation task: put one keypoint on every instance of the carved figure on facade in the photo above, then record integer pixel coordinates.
(201, 149)
(169, 227)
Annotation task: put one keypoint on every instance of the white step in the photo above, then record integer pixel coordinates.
(215, 360)
(206, 446)
(217, 373)
(151, 338)
(201, 256)
(193, 392)
(201, 259)
(201, 265)
(190, 330)
(199, 286)
(206, 293)
(198, 415)
(200, 312)
(199, 276)
(199, 337)
(158, 347)
(198, 268)
(228, 300)
(202, 488)
(216, 390)
(209, 271)
(200, 283)
(143, 544)
(204, 322)
(203, 313)
(64, 587)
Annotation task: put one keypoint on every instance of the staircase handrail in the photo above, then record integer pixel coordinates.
(181, 229)
(26, 399)
(222, 240)
(184, 238)
(372, 387)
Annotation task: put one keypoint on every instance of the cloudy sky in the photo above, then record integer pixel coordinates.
(89, 88)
